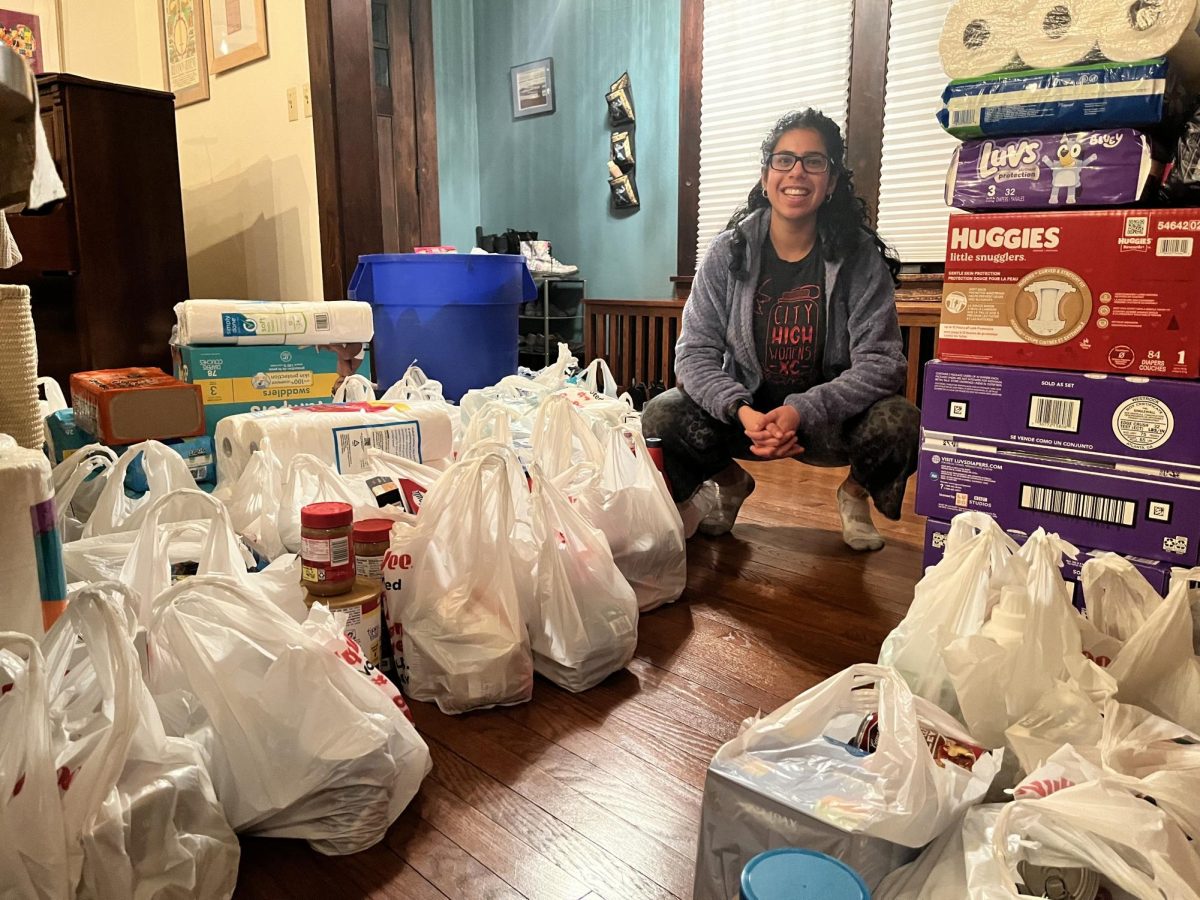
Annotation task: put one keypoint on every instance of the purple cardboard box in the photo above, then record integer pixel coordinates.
(1158, 518)
(1123, 421)
(1156, 572)
(1048, 171)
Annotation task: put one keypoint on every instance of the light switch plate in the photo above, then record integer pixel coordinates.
(293, 105)
(307, 101)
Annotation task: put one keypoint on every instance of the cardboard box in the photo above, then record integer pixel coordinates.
(64, 436)
(1152, 517)
(125, 406)
(1097, 291)
(1157, 572)
(241, 379)
(1142, 424)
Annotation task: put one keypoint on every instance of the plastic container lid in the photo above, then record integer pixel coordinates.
(797, 874)
(373, 531)
(326, 515)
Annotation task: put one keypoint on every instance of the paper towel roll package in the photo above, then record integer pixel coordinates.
(1132, 30)
(1106, 95)
(35, 589)
(1083, 168)
(1052, 34)
(267, 322)
(338, 434)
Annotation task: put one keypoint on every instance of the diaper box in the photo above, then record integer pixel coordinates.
(1088, 291)
(241, 379)
(1089, 505)
(1140, 424)
(1156, 572)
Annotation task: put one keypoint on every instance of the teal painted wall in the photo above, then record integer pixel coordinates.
(549, 173)
(457, 121)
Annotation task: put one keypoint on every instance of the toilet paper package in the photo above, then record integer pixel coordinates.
(1090, 506)
(267, 322)
(1084, 168)
(1134, 423)
(1043, 101)
(340, 434)
(1086, 291)
(1132, 30)
(1155, 571)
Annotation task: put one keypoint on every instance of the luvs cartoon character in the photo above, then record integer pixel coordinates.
(1068, 170)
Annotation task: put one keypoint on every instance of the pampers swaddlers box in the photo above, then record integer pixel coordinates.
(235, 380)
(1090, 291)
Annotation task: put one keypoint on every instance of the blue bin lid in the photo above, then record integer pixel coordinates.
(796, 874)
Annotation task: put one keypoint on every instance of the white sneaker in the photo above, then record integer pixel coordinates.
(858, 531)
(729, 500)
(694, 510)
(541, 263)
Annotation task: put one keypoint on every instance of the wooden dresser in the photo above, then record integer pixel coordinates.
(107, 265)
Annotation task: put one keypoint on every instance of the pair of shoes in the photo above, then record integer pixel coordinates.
(729, 500)
(541, 263)
(858, 531)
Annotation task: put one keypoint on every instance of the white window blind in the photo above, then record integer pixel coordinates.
(916, 151)
(762, 58)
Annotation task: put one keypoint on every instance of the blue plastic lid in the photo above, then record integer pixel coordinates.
(793, 874)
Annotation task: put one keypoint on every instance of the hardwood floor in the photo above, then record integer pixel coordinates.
(596, 796)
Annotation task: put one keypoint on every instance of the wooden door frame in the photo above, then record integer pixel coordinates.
(339, 61)
(864, 123)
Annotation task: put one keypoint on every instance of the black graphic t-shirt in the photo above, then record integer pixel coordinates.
(788, 332)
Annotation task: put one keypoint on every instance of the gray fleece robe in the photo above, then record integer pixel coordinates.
(863, 362)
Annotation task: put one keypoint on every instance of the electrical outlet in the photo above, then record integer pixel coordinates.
(293, 105)
(307, 101)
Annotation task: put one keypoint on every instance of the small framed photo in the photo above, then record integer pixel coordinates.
(185, 55)
(533, 88)
(237, 33)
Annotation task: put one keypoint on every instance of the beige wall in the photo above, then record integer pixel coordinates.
(248, 174)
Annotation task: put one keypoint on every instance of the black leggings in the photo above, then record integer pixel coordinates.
(879, 445)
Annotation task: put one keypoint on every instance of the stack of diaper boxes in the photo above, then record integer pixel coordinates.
(1038, 291)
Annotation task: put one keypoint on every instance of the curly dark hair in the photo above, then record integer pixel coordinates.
(841, 223)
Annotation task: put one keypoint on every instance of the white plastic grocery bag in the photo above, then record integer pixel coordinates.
(141, 816)
(148, 569)
(78, 481)
(1057, 821)
(587, 613)
(465, 640)
(33, 838)
(1153, 664)
(115, 511)
(301, 740)
(998, 683)
(899, 792)
(952, 600)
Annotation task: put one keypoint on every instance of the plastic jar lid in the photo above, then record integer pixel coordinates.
(326, 515)
(800, 875)
(373, 531)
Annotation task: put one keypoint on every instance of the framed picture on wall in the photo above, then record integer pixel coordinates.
(533, 88)
(185, 55)
(23, 32)
(237, 33)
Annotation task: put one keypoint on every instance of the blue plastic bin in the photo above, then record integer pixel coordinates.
(454, 313)
(793, 874)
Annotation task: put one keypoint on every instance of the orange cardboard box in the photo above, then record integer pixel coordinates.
(125, 406)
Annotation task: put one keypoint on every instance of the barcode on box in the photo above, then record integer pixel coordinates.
(1054, 413)
(1078, 505)
(321, 321)
(1175, 246)
(961, 117)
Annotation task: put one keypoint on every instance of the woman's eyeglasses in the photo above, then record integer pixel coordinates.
(813, 163)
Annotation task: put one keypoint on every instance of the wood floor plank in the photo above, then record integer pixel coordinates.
(570, 849)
